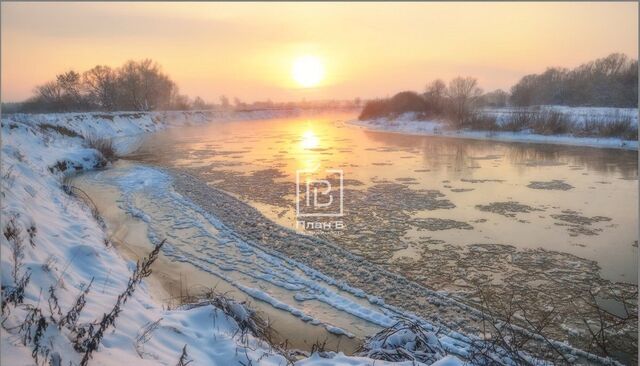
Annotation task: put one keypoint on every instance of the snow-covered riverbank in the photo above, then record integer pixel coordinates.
(409, 124)
(63, 251)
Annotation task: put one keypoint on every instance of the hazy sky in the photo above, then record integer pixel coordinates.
(368, 49)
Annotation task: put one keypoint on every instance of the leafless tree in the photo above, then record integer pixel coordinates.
(224, 102)
(143, 86)
(496, 98)
(71, 86)
(101, 85)
(610, 81)
(50, 92)
(436, 89)
(463, 93)
(435, 96)
(199, 103)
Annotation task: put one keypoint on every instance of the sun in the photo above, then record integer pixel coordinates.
(307, 71)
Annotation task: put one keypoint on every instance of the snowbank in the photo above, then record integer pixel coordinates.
(65, 253)
(409, 124)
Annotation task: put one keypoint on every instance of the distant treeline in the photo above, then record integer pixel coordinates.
(607, 82)
(135, 86)
(455, 101)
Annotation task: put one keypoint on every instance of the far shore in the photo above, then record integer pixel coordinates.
(439, 129)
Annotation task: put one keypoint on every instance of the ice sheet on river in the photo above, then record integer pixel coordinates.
(223, 236)
(196, 237)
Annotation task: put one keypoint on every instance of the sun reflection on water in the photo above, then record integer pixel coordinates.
(309, 140)
(307, 153)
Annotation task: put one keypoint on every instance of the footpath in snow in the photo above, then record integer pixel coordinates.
(53, 243)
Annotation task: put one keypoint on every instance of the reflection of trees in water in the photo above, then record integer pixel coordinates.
(458, 154)
(604, 161)
(439, 153)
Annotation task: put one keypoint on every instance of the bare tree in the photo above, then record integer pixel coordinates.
(238, 103)
(50, 92)
(199, 103)
(436, 89)
(62, 94)
(435, 95)
(611, 81)
(179, 101)
(101, 85)
(224, 102)
(143, 86)
(496, 98)
(463, 93)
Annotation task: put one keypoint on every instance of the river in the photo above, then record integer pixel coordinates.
(422, 219)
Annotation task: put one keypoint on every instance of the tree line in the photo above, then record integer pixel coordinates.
(134, 86)
(611, 81)
(137, 86)
(454, 100)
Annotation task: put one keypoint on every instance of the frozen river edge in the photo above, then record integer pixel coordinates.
(31, 150)
(70, 253)
(407, 125)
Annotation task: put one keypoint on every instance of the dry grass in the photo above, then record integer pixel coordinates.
(404, 341)
(622, 127)
(103, 145)
(483, 122)
(556, 123)
(64, 131)
(517, 122)
(551, 123)
(248, 319)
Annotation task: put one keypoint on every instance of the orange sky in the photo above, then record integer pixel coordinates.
(245, 50)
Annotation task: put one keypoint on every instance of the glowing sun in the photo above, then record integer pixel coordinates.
(307, 71)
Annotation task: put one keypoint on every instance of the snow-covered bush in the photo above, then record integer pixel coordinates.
(404, 341)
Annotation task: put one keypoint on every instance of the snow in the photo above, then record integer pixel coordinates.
(69, 254)
(72, 243)
(409, 124)
(577, 114)
(340, 359)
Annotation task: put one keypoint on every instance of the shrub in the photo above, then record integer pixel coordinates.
(59, 129)
(400, 103)
(551, 123)
(104, 146)
(374, 109)
(406, 101)
(248, 319)
(623, 128)
(517, 121)
(404, 341)
(483, 122)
